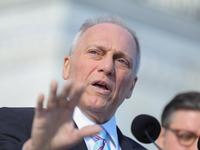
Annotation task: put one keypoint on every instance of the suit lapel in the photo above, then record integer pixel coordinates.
(127, 143)
(124, 144)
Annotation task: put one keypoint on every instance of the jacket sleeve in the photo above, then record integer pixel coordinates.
(15, 127)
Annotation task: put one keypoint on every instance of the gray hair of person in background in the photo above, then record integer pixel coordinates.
(106, 19)
(183, 101)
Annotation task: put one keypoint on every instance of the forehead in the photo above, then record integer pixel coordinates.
(186, 119)
(111, 36)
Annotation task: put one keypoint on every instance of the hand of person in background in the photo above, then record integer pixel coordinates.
(53, 127)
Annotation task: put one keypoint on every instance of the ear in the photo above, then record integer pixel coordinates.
(66, 66)
(132, 87)
(161, 138)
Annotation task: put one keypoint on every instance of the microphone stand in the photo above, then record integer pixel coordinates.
(147, 134)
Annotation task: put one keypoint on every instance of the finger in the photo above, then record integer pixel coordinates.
(64, 94)
(39, 107)
(89, 131)
(52, 103)
(75, 95)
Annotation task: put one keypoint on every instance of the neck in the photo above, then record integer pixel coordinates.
(97, 117)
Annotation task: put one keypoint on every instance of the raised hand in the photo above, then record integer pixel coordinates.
(53, 127)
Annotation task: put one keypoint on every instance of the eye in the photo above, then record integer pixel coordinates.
(185, 136)
(93, 52)
(122, 61)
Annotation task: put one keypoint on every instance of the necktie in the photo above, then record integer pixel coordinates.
(100, 139)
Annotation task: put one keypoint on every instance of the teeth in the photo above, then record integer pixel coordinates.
(101, 84)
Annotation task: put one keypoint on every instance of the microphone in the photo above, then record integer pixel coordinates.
(146, 129)
(198, 144)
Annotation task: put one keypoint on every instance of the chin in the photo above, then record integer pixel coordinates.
(97, 108)
(94, 103)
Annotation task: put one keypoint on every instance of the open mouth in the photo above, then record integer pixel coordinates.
(101, 85)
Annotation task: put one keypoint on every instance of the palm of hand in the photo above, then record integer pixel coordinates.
(53, 128)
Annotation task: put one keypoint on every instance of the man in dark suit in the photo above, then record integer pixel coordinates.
(101, 73)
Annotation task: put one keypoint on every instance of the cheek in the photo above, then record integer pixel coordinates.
(80, 70)
(172, 143)
(76, 70)
(124, 84)
(125, 79)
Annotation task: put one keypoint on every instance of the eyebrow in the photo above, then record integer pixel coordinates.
(101, 47)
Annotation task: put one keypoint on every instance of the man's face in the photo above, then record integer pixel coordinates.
(105, 61)
(182, 120)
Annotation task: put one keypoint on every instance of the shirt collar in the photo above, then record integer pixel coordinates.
(83, 120)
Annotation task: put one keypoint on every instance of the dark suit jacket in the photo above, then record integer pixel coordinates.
(15, 129)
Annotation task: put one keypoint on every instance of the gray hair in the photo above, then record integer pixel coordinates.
(106, 19)
(183, 101)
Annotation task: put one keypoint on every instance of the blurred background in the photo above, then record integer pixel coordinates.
(35, 36)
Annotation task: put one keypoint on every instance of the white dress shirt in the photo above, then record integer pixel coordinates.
(82, 120)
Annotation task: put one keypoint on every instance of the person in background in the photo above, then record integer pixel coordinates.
(101, 72)
(181, 123)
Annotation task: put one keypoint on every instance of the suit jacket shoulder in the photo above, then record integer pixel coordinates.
(15, 127)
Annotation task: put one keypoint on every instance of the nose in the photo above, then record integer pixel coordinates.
(107, 66)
